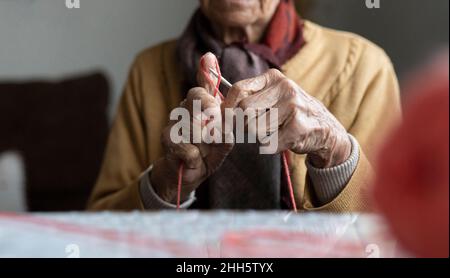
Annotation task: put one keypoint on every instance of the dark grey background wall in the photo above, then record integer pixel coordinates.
(409, 30)
(43, 39)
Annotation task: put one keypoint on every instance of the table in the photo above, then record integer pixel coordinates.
(219, 234)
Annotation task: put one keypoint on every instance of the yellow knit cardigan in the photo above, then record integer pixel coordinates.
(351, 76)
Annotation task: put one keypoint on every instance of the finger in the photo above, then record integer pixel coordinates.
(283, 97)
(205, 78)
(268, 125)
(263, 124)
(248, 87)
(284, 91)
(187, 153)
(204, 109)
(203, 98)
(299, 137)
(207, 114)
(286, 138)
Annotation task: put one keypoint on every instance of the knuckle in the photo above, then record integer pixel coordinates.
(285, 83)
(245, 104)
(238, 88)
(293, 108)
(289, 88)
(291, 93)
(192, 154)
(274, 73)
(292, 84)
(195, 93)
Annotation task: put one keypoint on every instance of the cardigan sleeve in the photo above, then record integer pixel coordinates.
(117, 186)
(372, 91)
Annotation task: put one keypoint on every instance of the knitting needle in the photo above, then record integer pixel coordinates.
(224, 81)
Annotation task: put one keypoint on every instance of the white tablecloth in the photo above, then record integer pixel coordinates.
(194, 234)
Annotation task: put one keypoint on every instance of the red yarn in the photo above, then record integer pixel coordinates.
(217, 91)
(288, 179)
(208, 77)
(180, 181)
(412, 186)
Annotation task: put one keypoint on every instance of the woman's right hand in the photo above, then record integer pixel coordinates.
(199, 160)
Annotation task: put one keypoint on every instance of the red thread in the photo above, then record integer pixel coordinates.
(288, 179)
(208, 78)
(217, 92)
(180, 181)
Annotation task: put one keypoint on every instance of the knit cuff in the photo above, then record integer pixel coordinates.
(328, 183)
(150, 198)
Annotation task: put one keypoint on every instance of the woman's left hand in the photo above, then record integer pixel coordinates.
(305, 124)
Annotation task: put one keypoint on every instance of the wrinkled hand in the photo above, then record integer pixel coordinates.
(200, 160)
(305, 124)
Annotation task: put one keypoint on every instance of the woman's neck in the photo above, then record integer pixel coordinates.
(252, 33)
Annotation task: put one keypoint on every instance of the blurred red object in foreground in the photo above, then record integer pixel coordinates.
(412, 189)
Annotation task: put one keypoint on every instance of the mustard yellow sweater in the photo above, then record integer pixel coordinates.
(351, 76)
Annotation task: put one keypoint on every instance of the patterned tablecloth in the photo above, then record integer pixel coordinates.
(195, 234)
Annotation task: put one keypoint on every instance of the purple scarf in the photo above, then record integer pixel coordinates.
(246, 179)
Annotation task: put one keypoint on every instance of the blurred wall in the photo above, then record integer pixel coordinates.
(44, 39)
(409, 30)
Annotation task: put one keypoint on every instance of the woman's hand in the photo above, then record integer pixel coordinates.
(200, 160)
(305, 124)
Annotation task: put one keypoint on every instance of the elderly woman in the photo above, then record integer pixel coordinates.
(336, 94)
